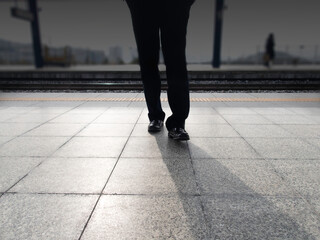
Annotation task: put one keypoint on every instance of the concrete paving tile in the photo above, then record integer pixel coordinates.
(167, 111)
(32, 146)
(300, 211)
(313, 118)
(117, 118)
(13, 169)
(202, 111)
(274, 111)
(262, 131)
(299, 104)
(237, 110)
(137, 104)
(124, 110)
(314, 142)
(306, 110)
(115, 104)
(3, 140)
(152, 176)
(92, 147)
(87, 110)
(251, 104)
(306, 131)
(225, 176)
(246, 119)
(75, 118)
(56, 129)
(284, 148)
(206, 104)
(145, 119)
(119, 95)
(315, 204)
(254, 217)
(58, 104)
(6, 117)
(206, 119)
(144, 115)
(18, 103)
(15, 129)
(301, 175)
(33, 118)
(147, 217)
(157, 147)
(107, 130)
(18, 110)
(210, 130)
(221, 148)
(44, 216)
(141, 130)
(289, 119)
(67, 175)
(95, 104)
(50, 110)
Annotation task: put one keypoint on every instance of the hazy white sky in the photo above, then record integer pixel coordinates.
(99, 24)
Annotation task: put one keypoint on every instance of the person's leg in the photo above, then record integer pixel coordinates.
(173, 38)
(144, 14)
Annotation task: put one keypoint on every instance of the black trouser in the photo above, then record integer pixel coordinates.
(165, 21)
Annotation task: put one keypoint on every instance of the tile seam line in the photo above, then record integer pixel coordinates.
(200, 194)
(101, 193)
(265, 160)
(38, 124)
(44, 157)
(283, 177)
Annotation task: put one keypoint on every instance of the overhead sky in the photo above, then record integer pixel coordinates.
(99, 24)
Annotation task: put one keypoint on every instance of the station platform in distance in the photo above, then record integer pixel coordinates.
(83, 166)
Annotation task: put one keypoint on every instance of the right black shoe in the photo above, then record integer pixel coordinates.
(155, 126)
(178, 134)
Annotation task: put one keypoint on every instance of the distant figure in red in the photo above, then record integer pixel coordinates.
(165, 22)
(269, 54)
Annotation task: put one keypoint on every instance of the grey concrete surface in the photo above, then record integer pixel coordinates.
(88, 169)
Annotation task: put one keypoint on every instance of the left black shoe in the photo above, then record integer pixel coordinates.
(178, 134)
(155, 126)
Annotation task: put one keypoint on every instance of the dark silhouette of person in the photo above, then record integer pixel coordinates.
(163, 22)
(270, 54)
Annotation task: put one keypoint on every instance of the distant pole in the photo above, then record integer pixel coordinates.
(217, 34)
(37, 49)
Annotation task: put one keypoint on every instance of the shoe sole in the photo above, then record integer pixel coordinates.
(154, 130)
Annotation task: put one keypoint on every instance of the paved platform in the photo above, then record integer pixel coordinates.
(83, 166)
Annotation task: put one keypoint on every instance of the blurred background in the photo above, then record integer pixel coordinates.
(99, 32)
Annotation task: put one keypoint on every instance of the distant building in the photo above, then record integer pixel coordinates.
(18, 53)
(15, 53)
(115, 55)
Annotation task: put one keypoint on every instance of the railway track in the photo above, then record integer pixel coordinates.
(130, 80)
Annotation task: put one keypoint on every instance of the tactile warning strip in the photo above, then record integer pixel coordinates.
(164, 99)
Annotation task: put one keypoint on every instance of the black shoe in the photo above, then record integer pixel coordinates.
(178, 134)
(155, 126)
